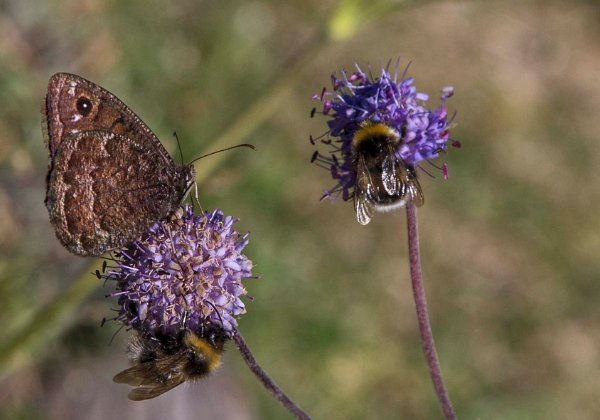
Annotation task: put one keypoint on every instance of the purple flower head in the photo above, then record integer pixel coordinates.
(360, 98)
(184, 273)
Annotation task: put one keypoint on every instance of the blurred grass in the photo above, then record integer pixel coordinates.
(509, 242)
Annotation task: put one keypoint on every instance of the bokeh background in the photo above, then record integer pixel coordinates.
(510, 242)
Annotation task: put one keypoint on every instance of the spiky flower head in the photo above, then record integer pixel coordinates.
(358, 98)
(184, 272)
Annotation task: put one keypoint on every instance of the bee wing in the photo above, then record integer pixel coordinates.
(137, 375)
(364, 211)
(363, 193)
(410, 189)
(152, 378)
(147, 392)
(389, 176)
(416, 192)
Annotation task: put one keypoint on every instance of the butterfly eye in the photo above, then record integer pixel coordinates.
(84, 106)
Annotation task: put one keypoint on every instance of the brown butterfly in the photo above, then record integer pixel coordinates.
(109, 177)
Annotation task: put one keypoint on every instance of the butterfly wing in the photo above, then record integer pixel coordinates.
(105, 189)
(74, 104)
(90, 212)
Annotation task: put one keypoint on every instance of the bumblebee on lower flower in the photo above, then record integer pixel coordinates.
(161, 362)
(180, 288)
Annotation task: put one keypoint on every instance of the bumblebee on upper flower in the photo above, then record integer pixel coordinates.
(379, 132)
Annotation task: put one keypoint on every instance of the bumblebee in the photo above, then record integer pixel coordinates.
(160, 363)
(384, 181)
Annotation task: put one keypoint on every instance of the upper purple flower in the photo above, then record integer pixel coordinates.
(184, 273)
(360, 97)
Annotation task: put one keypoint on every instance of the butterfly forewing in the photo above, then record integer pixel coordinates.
(74, 104)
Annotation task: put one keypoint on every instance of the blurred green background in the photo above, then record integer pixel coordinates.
(510, 242)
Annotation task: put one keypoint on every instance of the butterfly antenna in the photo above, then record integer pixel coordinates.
(251, 146)
(178, 145)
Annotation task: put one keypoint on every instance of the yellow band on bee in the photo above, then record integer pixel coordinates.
(370, 130)
(212, 355)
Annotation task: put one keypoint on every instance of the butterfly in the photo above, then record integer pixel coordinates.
(109, 178)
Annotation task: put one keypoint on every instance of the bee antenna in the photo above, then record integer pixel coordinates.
(217, 311)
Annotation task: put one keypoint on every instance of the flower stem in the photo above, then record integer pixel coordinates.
(265, 379)
(423, 316)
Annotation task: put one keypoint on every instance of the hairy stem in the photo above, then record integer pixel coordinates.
(423, 315)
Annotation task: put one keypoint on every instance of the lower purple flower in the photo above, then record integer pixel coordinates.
(184, 273)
